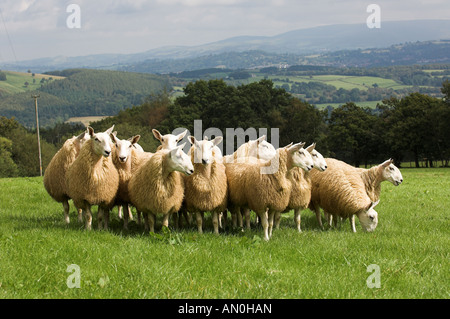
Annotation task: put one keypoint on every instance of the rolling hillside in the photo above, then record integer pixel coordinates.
(81, 92)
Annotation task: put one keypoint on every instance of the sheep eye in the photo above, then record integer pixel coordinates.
(371, 217)
(391, 168)
(97, 140)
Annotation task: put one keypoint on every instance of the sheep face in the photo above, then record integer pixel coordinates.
(261, 149)
(124, 147)
(203, 150)
(368, 219)
(319, 161)
(168, 141)
(180, 161)
(301, 157)
(101, 141)
(391, 173)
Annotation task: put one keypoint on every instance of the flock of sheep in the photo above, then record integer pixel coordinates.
(101, 169)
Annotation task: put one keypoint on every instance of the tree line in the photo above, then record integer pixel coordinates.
(412, 128)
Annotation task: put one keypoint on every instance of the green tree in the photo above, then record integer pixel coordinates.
(7, 166)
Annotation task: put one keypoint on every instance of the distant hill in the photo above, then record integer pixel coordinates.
(82, 92)
(318, 40)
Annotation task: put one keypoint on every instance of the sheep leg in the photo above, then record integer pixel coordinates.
(125, 217)
(165, 222)
(66, 207)
(271, 219)
(199, 218)
(146, 223)
(247, 217)
(100, 218)
(277, 219)
(80, 215)
(298, 219)
(265, 224)
(130, 214)
(139, 220)
(215, 221)
(239, 217)
(225, 219)
(316, 209)
(151, 220)
(352, 223)
(120, 210)
(88, 217)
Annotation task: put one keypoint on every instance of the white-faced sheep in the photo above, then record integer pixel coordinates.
(206, 188)
(55, 173)
(301, 187)
(157, 187)
(345, 191)
(92, 179)
(250, 152)
(266, 194)
(168, 141)
(122, 156)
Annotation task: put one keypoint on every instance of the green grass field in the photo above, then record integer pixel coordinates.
(15, 81)
(410, 246)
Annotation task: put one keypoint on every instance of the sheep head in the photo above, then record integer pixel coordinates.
(391, 173)
(101, 141)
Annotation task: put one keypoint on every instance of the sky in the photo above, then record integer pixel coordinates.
(32, 29)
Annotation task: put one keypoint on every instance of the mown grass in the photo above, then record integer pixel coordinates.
(410, 245)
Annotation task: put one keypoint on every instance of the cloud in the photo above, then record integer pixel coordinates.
(38, 28)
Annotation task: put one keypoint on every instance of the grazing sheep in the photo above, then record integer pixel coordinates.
(301, 187)
(122, 159)
(55, 173)
(206, 188)
(157, 186)
(266, 194)
(93, 179)
(344, 191)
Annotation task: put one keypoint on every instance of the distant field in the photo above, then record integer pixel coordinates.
(15, 81)
(86, 120)
(410, 247)
(371, 104)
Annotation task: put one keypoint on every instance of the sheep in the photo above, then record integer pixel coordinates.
(266, 194)
(206, 188)
(55, 173)
(93, 179)
(301, 187)
(157, 186)
(345, 191)
(258, 149)
(168, 141)
(122, 158)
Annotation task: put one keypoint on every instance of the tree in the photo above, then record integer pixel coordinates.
(7, 166)
(351, 134)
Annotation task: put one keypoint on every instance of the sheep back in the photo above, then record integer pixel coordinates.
(339, 190)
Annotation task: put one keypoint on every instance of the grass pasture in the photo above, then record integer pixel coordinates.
(15, 81)
(410, 246)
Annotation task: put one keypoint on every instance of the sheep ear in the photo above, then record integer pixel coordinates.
(260, 139)
(181, 136)
(192, 139)
(91, 131)
(81, 136)
(205, 138)
(217, 140)
(387, 163)
(289, 145)
(373, 205)
(157, 135)
(135, 139)
(311, 147)
(296, 147)
(113, 138)
(108, 131)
